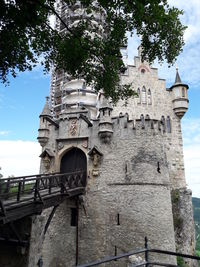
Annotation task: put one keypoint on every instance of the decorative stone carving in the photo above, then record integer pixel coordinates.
(47, 156)
(47, 162)
(95, 155)
(60, 145)
(85, 144)
(106, 136)
(73, 127)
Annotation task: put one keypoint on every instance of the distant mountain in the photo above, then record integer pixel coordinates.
(196, 211)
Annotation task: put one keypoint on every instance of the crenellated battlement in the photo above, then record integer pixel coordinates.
(153, 125)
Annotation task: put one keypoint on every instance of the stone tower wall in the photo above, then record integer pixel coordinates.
(126, 197)
(142, 74)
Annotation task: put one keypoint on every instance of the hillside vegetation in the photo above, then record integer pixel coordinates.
(196, 211)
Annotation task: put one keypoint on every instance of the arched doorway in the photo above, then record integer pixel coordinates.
(75, 161)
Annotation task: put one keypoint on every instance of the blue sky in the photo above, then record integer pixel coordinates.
(22, 102)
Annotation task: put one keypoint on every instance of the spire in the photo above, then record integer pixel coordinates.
(46, 110)
(177, 79)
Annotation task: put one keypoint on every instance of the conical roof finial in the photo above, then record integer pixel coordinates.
(177, 79)
(46, 110)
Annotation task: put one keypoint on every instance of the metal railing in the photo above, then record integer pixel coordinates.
(146, 262)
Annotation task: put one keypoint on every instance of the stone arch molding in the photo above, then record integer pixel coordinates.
(66, 149)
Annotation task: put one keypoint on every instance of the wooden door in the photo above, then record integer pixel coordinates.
(75, 161)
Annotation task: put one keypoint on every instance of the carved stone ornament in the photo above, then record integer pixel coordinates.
(47, 162)
(95, 155)
(60, 145)
(73, 127)
(85, 144)
(47, 156)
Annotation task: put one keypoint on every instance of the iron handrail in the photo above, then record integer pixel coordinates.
(146, 262)
(113, 258)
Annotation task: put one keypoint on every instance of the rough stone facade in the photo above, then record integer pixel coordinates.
(138, 163)
(135, 171)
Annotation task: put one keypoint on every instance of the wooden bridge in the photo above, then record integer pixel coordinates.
(28, 195)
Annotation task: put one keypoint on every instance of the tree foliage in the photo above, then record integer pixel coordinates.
(86, 50)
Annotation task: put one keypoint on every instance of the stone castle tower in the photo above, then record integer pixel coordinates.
(132, 156)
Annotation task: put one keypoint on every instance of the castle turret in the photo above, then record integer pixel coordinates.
(180, 101)
(105, 123)
(43, 131)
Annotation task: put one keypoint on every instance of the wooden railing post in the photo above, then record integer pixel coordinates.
(146, 252)
(50, 184)
(36, 189)
(7, 186)
(23, 186)
(62, 188)
(19, 191)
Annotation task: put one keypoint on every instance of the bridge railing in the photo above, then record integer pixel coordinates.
(34, 187)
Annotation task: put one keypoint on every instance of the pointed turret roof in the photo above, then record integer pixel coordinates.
(177, 79)
(46, 110)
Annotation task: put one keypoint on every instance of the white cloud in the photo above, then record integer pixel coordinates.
(19, 158)
(188, 60)
(3, 133)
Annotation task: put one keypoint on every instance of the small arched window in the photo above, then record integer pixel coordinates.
(143, 95)
(147, 117)
(149, 100)
(169, 129)
(142, 120)
(183, 92)
(139, 96)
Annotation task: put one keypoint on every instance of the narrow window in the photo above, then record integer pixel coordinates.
(142, 120)
(183, 92)
(147, 119)
(116, 252)
(163, 123)
(149, 100)
(144, 95)
(73, 216)
(168, 125)
(138, 95)
(118, 220)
